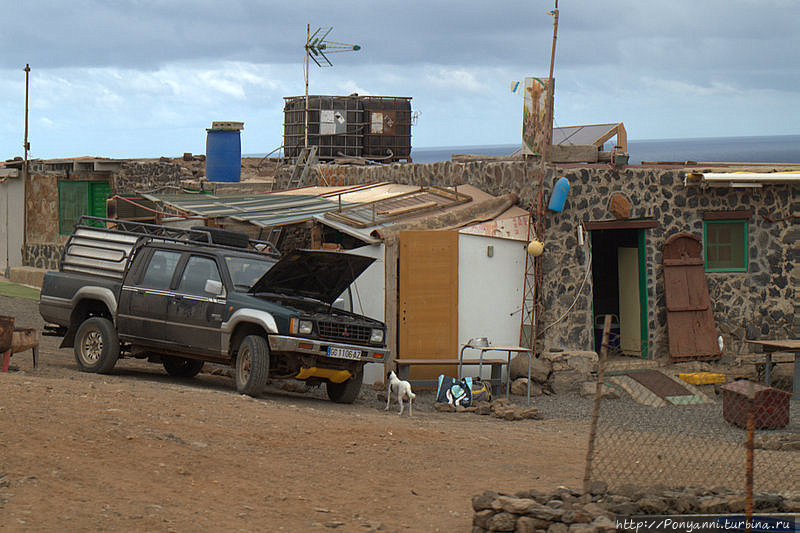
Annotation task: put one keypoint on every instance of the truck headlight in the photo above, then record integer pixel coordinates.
(376, 337)
(303, 327)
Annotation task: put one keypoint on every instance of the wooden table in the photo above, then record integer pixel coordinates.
(788, 345)
(509, 349)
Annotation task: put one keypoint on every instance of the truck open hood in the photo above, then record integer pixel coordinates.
(318, 274)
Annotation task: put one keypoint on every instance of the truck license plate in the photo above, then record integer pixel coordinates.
(343, 353)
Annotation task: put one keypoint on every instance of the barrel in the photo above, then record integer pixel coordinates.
(223, 155)
(559, 197)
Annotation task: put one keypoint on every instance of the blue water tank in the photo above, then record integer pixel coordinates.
(223, 155)
(559, 197)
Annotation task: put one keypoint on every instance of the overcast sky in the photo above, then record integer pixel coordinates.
(144, 78)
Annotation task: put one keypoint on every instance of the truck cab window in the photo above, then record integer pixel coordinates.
(198, 270)
(160, 269)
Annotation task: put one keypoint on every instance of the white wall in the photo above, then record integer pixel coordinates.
(489, 293)
(12, 217)
(368, 295)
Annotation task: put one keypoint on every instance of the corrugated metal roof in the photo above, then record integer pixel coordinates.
(413, 203)
(365, 233)
(263, 210)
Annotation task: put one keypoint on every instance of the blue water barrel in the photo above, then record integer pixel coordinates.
(223, 155)
(559, 197)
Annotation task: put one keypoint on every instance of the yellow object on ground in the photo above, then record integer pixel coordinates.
(336, 376)
(702, 378)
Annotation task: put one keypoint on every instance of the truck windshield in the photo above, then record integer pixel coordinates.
(245, 271)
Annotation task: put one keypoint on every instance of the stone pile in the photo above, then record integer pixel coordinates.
(499, 408)
(780, 441)
(573, 511)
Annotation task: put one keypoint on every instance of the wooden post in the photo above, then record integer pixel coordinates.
(391, 251)
(316, 236)
(598, 395)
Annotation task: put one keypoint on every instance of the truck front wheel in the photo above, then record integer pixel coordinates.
(252, 365)
(347, 391)
(96, 345)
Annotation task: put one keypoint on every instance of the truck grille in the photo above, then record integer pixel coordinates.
(344, 332)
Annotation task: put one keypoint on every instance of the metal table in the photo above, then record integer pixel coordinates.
(509, 349)
(789, 345)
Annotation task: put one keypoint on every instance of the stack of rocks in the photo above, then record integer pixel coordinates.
(597, 510)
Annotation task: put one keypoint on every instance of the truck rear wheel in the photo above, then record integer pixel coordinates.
(96, 345)
(252, 365)
(347, 391)
(181, 367)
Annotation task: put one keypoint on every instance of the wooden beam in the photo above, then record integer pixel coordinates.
(620, 224)
(728, 215)
(391, 253)
(576, 153)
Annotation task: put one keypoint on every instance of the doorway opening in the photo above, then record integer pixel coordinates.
(620, 289)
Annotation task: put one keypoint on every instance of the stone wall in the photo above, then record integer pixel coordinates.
(44, 256)
(156, 176)
(597, 510)
(760, 302)
(41, 209)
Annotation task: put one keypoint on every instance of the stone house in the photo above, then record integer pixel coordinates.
(747, 227)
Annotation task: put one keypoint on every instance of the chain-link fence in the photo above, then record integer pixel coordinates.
(684, 433)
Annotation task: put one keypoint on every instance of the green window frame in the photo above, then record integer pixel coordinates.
(725, 245)
(77, 198)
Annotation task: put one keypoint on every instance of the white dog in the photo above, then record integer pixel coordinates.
(402, 389)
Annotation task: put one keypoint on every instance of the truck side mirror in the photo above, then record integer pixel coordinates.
(214, 287)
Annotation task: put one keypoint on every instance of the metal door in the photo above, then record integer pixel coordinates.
(143, 304)
(690, 321)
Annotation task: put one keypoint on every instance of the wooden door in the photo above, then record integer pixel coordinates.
(690, 321)
(428, 300)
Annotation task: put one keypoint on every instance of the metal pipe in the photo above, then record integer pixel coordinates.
(26, 147)
(305, 129)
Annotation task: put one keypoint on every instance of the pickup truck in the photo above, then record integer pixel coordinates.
(183, 297)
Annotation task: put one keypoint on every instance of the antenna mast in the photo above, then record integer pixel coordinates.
(316, 47)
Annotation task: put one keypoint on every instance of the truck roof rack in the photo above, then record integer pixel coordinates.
(104, 246)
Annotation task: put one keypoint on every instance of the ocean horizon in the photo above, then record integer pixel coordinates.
(754, 149)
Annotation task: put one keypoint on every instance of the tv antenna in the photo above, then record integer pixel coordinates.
(317, 47)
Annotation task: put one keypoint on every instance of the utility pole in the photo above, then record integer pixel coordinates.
(26, 146)
(532, 282)
(305, 127)
(316, 49)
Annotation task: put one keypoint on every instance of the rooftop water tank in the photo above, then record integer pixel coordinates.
(224, 151)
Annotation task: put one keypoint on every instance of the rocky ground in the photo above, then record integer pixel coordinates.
(138, 450)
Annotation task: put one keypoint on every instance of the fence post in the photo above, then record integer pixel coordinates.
(748, 504)
(598, 394)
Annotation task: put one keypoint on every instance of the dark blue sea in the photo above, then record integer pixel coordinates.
(765, 149)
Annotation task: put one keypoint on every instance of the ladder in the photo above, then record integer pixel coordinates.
(306, 160)
(299, 177)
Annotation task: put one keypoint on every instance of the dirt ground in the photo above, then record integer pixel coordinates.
(140, 451)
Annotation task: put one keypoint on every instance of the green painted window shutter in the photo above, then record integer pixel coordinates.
(73, 198)
(98, 193)
(77, 198)
(726, 245)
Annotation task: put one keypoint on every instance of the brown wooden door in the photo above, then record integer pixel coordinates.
(428, 300)
(690, 321)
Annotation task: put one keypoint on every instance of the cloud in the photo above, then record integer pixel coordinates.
(141, 77)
